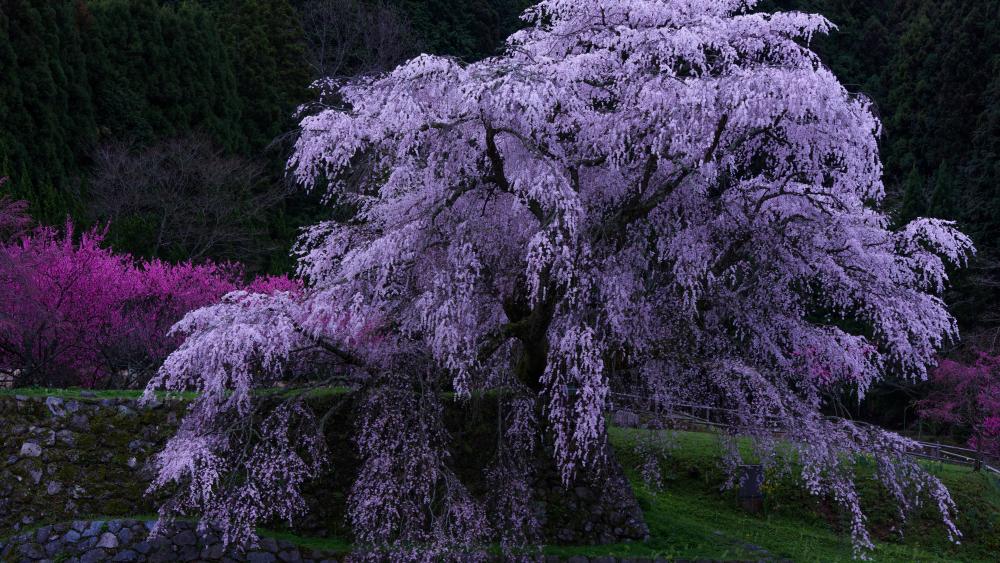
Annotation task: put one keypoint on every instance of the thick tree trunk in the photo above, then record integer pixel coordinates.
(530, 325)
(598, 507)
(531, 366)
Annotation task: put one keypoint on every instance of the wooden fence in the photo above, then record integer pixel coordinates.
(632, 410)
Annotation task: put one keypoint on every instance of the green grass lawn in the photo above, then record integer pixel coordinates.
(690, 518)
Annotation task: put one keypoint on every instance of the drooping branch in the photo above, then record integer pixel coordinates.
(639, 208)
(499, 178)
(529, 324)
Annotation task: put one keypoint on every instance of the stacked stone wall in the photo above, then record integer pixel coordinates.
(64, 460)
(90, 541)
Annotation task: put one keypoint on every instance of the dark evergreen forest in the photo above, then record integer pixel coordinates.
(94, 87)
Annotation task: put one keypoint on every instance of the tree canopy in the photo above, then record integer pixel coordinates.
(673, 196)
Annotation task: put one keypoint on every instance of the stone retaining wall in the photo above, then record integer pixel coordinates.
(86, 541)
(60, 459)
(70, 459)
(128, 540)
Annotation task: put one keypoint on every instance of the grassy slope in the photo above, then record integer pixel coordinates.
(690, 518)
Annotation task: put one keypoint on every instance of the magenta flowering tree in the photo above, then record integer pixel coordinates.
(677, 194)
(57, 305)
(73, 312)
(968, 395)
(989, 442)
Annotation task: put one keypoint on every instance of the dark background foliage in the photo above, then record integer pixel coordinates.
(82, 74)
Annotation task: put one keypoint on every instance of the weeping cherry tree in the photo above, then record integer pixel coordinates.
(671, 196)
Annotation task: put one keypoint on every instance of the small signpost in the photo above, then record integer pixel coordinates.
(751, 495)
